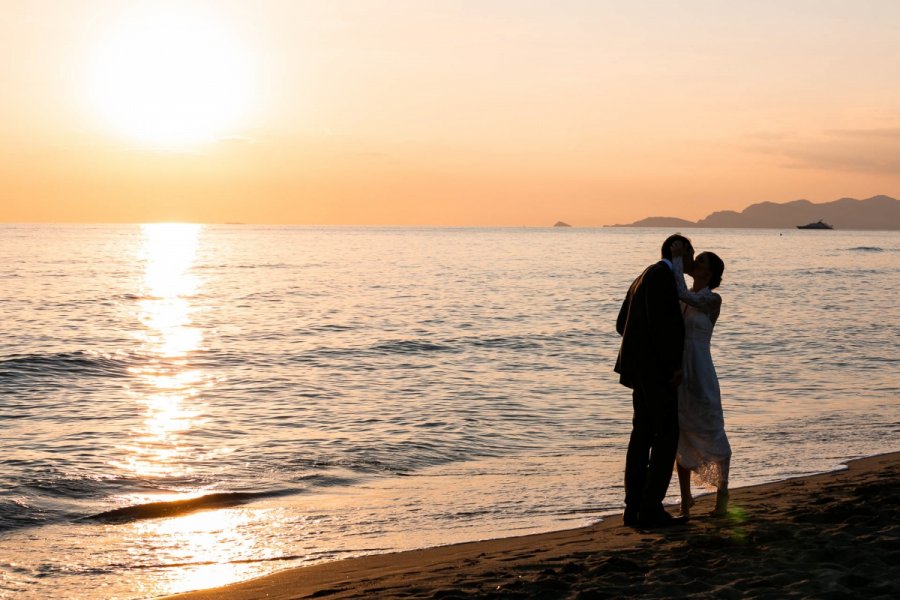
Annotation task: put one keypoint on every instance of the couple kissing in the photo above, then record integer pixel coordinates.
(665, 360)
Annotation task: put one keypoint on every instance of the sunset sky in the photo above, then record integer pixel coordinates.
(439, 112)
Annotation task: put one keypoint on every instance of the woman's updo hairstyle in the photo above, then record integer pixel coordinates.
(716, 269)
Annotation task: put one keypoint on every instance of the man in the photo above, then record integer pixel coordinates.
(649, 362)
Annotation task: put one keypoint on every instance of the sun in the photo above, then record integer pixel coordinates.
(171, 79)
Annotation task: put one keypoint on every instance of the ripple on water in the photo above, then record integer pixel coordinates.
(403, 384)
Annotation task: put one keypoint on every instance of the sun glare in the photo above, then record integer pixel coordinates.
(171, 79)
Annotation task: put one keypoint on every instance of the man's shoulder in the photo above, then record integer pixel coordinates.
(659, 269)
(652, 275)
(655, 267)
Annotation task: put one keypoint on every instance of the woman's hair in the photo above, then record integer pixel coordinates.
(716, 268)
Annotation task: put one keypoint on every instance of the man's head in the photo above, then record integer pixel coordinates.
(667, 247)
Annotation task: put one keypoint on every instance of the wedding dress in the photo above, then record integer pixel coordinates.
(702, 445)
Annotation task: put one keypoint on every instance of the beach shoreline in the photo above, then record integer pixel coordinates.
(833, 534)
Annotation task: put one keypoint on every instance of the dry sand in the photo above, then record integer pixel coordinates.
(835, 535)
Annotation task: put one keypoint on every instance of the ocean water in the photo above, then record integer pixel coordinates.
(185, 406)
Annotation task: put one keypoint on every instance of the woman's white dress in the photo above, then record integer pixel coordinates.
(702, 445)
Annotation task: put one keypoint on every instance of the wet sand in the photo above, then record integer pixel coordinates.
(834, 535)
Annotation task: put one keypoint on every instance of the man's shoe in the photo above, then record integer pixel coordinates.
(659, 519)
(630, 518)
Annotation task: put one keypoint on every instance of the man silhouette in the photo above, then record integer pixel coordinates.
(649, 362)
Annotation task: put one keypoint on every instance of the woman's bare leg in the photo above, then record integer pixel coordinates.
(684, 482)
(722, 491)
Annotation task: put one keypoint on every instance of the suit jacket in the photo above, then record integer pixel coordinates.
(651, 326)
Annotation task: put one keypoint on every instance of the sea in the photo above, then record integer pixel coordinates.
(185, 406)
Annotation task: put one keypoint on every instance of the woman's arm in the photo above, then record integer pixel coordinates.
(704, 300)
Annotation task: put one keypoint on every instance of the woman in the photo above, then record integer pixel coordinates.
(703, 447)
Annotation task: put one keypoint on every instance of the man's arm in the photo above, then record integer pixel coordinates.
(623, 313)
(664, 318)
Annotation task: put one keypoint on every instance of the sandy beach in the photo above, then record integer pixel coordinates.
(833, 535)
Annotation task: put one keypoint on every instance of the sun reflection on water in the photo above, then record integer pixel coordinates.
(169, 251)
(200, 549)
(205, 549)
(166, 385)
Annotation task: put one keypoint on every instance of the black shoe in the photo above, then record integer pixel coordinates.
(659, 519)
(630, 518)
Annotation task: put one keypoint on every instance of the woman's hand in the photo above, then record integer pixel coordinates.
(677, 248)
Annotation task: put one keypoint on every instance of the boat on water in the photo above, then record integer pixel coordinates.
(820, 224)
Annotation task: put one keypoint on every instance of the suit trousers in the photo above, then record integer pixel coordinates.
(653, 444)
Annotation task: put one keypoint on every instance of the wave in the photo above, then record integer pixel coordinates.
(174, 508)
(329, 554)
(16, 513)
(509, 342)
(867, 249)
(419, 346)
(135, 297)
(54, 364)
(411, 347)
(332, 327)
(225, 266)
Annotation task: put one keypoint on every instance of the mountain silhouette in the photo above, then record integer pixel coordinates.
(878, 212)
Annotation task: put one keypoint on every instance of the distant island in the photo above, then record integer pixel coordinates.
(878, 212)
(561, 224)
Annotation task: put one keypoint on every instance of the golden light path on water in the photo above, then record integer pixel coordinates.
(200, 547)
(166, 387)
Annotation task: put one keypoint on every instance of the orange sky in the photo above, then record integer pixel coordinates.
(478, 113)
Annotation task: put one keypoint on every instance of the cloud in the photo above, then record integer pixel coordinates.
(770, 136)
(889, 133)
(857, 150)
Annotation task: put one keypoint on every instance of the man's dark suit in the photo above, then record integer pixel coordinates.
(652, 330)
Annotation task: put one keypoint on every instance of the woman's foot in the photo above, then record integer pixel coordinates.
(721, 503)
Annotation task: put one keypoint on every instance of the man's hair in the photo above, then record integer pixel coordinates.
(667, 245)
